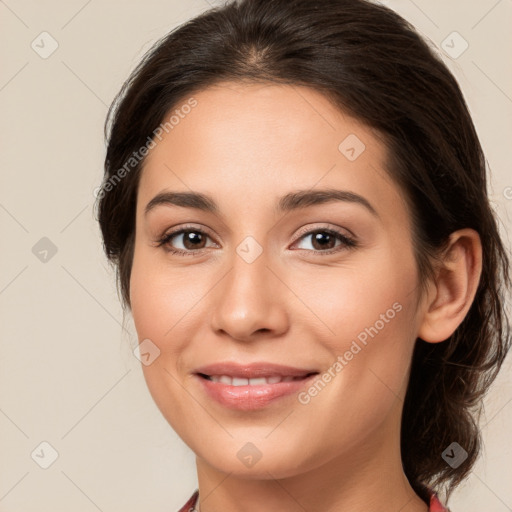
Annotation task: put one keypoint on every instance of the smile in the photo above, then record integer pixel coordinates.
(251, 394)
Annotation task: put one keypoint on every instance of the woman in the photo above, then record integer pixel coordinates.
(295, 201)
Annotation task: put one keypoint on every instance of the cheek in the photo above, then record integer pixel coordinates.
(352, 299)
(159, 298)
(371, 314)
(161, 312)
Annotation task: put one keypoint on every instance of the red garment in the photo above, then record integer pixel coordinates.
(435, 504)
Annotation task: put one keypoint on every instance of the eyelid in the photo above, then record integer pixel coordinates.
(326, 226)
(184, 227)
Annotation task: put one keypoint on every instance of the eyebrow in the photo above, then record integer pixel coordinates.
(291, 201)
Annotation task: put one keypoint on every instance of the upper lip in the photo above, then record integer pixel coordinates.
(253, 370)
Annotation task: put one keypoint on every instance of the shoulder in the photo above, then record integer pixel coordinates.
(189, 506)
(435, 503)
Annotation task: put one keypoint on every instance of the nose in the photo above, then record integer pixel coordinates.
(250, 301)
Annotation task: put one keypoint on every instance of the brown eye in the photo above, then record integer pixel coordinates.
(191, 240)
(324, 240)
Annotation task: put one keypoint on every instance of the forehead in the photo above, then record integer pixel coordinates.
(260, 140)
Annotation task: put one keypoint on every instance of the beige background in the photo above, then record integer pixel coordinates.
(68, 376)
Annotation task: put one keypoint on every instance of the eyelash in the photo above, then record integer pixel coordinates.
(347, 242)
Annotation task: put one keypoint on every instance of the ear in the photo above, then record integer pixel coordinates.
(454, 289)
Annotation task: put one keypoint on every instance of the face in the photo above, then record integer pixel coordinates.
(277, 272)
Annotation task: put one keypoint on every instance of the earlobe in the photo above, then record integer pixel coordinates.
(455, 286)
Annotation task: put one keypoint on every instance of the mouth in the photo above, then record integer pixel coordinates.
(255, 381)
(254, 393)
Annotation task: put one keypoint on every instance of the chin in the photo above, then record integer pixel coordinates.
(253, 460)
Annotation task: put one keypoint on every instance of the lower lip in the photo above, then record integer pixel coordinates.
(250, 398)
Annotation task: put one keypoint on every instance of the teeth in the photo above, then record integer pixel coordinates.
(257, 381)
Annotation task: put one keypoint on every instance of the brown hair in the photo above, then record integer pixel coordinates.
(371, 63)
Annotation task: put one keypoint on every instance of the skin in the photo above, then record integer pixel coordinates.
(246, 146)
